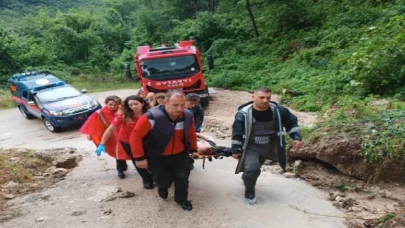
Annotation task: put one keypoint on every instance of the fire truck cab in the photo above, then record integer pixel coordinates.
(177, 67)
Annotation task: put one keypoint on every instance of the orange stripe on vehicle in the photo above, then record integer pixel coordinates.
(24, 102)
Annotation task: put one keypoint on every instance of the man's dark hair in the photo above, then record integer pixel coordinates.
(262, 89)
(193, 97)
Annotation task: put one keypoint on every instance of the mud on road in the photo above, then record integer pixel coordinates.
(92, 195)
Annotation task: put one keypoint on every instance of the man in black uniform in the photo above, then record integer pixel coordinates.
(257, 134)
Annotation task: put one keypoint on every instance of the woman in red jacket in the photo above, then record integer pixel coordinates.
(134, 107)
(97, 124)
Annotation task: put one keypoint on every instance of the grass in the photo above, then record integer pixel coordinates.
(20, 167)
(292, 170)
(383, 219)
(343, 187)
(5, 99)
(102, 83)
(89, 82)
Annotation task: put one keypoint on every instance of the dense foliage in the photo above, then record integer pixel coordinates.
(329, 52)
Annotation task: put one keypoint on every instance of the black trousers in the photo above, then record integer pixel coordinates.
(190, 161)
(172, 168)
(253, 161)
(121, 165)
(144, 173)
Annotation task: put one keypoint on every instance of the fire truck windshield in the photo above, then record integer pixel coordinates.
(173, 67)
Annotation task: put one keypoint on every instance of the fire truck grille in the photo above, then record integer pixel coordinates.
(193, 86)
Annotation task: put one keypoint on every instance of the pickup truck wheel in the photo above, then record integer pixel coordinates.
(50, 126)
(204, 101)
(25, 114)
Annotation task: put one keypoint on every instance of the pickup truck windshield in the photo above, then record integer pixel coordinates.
(170, 68)
(57, 94)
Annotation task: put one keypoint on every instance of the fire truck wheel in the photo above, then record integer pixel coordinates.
(25, 114)
(204, 101)
(50, 126)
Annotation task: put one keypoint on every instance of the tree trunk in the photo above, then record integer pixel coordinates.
(252, 18)
(197, 7)
(150, 4)
(213, 6)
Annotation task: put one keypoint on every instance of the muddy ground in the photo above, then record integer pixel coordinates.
(23, 171)
(91, 195)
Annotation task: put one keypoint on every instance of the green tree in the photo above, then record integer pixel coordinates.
(8, 61)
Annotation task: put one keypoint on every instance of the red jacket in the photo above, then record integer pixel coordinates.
(175, 146)
(125, 127)
(96, 125)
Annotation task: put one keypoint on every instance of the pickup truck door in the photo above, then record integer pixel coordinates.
(30, 104)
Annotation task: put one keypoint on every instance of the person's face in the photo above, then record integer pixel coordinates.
(160, 100)
(112, 105)
(135, 105)
(142, 94)
(261, 100)
(175, 105)
(191, 104)
(150, 96)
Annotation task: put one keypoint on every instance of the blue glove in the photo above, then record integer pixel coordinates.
(198, 129)
(100, 148)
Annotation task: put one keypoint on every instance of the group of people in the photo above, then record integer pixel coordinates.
(160, 134)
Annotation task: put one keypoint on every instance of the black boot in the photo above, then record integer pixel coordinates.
(121, 167)
(250, 195)
(163, 193)
(186, 205)
(148, 185)
(121, 174)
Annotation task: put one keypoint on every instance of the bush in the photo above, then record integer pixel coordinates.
(385, 140)
(377, 125)
(379, 64)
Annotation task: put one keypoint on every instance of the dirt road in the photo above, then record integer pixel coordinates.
(84, 198)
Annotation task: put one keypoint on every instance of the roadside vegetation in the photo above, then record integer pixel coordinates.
(18, 172)
(337, 57)
(23, 171)
(20, 167)
(5, 99)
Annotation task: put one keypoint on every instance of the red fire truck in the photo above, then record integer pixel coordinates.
(177, 67)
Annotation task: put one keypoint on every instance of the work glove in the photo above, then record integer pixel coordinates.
(100, 148)
(198, 129)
